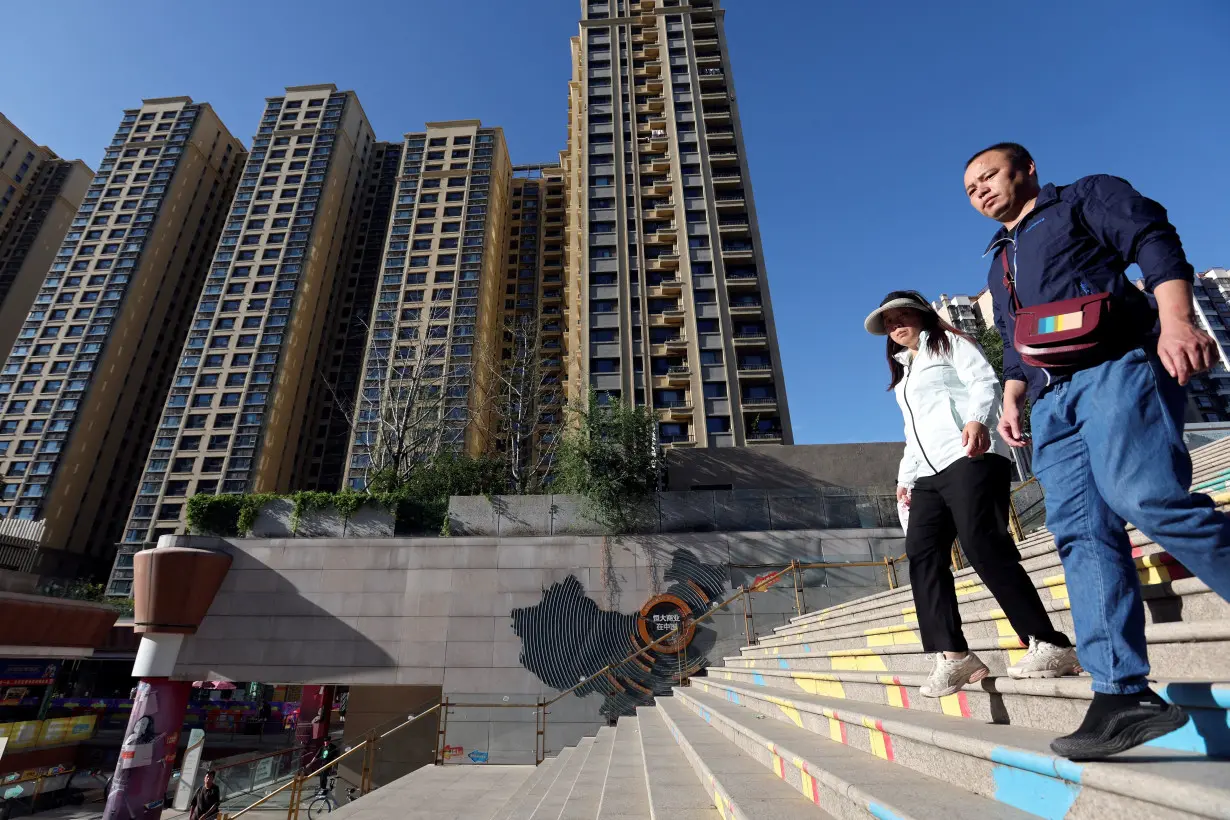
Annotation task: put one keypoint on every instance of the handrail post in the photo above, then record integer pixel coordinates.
(798, 587)
(442, 731)
(540, 732)
(890, 569)
(369, 764)
(1014, 521)
(748, 625)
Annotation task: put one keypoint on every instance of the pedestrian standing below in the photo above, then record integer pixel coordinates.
(956, 480)
(207, 800)
(1108, 402)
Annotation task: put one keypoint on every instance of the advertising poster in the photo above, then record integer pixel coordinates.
(28, 673)
(147, 756)
(190, 772)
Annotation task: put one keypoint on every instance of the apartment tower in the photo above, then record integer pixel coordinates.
(531, 380)
(83, 384)
(430, 367)
(672, 303)
(39, 196)
(235, 419)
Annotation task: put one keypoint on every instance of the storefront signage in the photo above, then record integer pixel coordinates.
(28, 673)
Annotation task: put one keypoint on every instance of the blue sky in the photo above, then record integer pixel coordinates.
(858, 118)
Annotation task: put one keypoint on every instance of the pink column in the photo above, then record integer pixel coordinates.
(147, 757)
(310, 734)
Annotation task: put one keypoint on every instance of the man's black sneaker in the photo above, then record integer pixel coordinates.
(1116, 723)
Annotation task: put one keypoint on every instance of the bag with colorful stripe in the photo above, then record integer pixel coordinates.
(1062, 335)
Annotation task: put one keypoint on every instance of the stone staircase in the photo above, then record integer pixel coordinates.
(823, 718)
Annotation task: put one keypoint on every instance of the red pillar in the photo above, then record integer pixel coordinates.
(310, 734)
(147, 757)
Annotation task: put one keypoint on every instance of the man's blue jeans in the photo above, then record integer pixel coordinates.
(1108, 448)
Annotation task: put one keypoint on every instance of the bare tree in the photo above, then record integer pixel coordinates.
(396, 415)
(521, 391)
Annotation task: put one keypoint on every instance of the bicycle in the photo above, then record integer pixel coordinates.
(323, 802)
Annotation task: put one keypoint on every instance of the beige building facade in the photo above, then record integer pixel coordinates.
(236, 417)
(82, 384)
(39, 197)
(429, 372)
(672, 306)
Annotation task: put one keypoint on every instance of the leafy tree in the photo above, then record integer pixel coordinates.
(992, 345)
(609, 454)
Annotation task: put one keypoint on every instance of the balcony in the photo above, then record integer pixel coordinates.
(755, 369)
(678, 440)
(734, 225)
(733, 199)
(724, 178)
(679, 373)
(675, 409)
(647, 20)
(738, 251)
(666, 261)
(758, 403)
(751, 338)
(765, 436)
(711, 75)
(661, 210)
(745, 308)
(742, 278)
(650, 68)
(668, 287)
(676, 344)
(646, 5)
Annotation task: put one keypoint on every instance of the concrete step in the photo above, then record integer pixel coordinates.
(1012, 764)
(1056, 705)
(553, 799)
(740, 788)
(1185, 601)
(1158, 572)
(675, 793)
(1177, 599)
(1196, 651)
(586, 795)
(533, 788)
(625, 795)
(989, 631)
(1037, 551)
(846, 785)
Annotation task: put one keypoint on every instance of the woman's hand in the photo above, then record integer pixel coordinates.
(976, 439)
(903, 496)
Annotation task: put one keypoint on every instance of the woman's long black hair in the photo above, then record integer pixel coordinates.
(937, 343)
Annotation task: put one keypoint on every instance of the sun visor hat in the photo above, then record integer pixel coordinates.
(897, 299)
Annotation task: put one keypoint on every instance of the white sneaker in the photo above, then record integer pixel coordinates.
(950, 675)
(1045, 660)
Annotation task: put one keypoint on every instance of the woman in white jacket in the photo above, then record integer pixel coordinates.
(956, 480)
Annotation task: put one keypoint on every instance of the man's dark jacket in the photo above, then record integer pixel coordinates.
(205, 803)
(1079, 240)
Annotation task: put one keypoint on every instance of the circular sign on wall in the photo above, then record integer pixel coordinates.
(659, 616)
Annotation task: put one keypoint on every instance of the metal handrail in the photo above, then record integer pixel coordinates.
(299, 779)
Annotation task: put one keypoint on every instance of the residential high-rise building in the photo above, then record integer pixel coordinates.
(673, 305)
(530, 383)
(83, 384)
(429, 369)
(350, 310)
(236, 418)
(972, 314)
(1208, 394)
(39, 196)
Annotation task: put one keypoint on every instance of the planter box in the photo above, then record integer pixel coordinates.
(274, 520)
(326, 523)
(370, 522)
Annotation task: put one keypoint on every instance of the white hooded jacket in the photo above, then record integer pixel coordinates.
(938, 396)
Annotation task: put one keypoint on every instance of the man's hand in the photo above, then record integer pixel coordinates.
(1185, 350)
(975, 438)
(903, 496)
(1183, 347)
(1009, 426)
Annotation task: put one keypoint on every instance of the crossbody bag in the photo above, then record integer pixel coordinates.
(1069, 334)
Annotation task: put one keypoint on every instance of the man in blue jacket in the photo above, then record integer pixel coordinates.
(1108, 444)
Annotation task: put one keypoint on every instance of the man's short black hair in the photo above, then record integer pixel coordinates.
(1018, 154)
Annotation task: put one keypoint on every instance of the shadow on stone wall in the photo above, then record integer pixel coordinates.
(286, 624)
